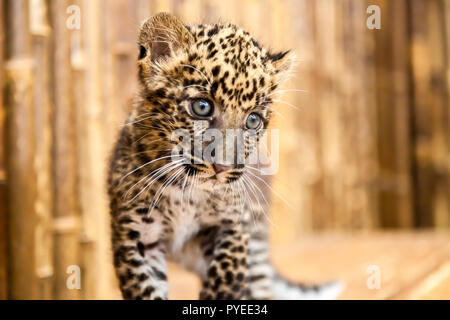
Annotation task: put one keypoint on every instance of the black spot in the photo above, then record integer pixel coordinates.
(229, 277)
(147, 220)
(133, 235)
(236, 288)
(215, 71)
(230, 231)
(127, 294)
(261, 81)
(143, 277)
(221, 295)
(240, 277)
(152, 245)
(213, 31)
(161, 93)
(159, 274)
(141, 248)
(141, 210)
(192, 57)
(217, 284)
(211, 46)
(135, 263)
(214, 87)
(207, 296)
(148, 291)
(256, 278)
(129, 274)
(221, 256)
(212, 272)
(212, 54)
(122, 280)
(142, 52)
(225, 245)
(125, 219)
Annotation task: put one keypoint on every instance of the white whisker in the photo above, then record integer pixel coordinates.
(276, 193)
(147, 163)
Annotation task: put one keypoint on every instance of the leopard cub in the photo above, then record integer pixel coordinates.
(203, 212)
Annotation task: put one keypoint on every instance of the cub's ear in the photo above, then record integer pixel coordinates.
(283, 63)
(161, 36)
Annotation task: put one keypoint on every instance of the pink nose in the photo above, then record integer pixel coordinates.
(218, 168)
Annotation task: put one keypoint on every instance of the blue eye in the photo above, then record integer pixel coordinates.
(201, 107)
(254, 121)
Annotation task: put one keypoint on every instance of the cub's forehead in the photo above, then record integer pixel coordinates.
(233, 60)
(228, 44)
(226, 38)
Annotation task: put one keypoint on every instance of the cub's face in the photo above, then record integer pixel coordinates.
(207, 92)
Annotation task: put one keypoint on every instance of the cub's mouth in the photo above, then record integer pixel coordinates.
(213, 174)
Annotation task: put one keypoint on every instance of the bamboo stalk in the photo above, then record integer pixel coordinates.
(431, 128)
(66, 214)
(391, 52)
(113, 117)
(352, 80)
(447, 37)
(328, 210)
(440, 108)
(21, 188)
(361, 95)
(4, 280)
(304, 135)
(78, 65)
(92, 158)
(281, 37)
(44, 237)
(3, 222)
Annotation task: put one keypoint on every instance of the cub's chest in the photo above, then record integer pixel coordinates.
(187, 217)
(185, 224)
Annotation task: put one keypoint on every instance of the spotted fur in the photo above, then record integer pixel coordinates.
(164, 208)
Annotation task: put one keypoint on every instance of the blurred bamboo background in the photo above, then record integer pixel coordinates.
(368, 147)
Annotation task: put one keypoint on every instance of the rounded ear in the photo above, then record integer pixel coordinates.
(160, 36)
(283, 63)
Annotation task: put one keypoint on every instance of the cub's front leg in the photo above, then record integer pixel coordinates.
(227, 272)
(139, 254)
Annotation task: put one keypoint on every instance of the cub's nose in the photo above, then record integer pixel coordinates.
(218, 168)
